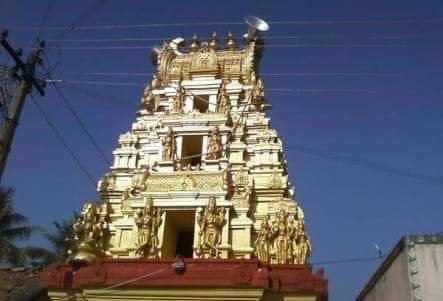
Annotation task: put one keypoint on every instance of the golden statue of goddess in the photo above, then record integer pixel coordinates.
(169, 146)
(148, 221)
(215, 146)
(263, 240)
(211, 222)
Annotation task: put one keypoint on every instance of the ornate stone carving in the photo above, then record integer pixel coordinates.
(241, 178)
(223, 100)
(138, 182)
(179, 100)
(205, 60)
(211, 221)
(107, 183)
(200, 182)
(258, 93)
(289, 242)
(275, 180)
(148, 99)
(169, 146)
(148, 221)
(91, 232)
(215, 147)
(187, 182)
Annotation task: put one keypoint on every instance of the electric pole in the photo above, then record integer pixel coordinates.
(25, 74)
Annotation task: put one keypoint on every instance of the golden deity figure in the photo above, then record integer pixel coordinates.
(148, 221)
(223, 100)
(258, 91)
(107, 183)
(91, 233)
(179, 100)
(148, 99)
(303, 249)
(215, 147)
(282, 238)
(211, 222)
(263, 241)
(169, 146)
(156, 82)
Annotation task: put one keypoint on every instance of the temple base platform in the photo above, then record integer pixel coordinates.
(183, 279)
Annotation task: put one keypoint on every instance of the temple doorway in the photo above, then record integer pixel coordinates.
(178, 237)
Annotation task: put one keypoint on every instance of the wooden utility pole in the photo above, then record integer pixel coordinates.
(26, 82)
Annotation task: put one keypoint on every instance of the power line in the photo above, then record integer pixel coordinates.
(148, 47)
(80, 122)
(366, 163)
(62, 140)
(291, 90)
(261, 74)
(199, 24)
(266, 37)
(348, 260)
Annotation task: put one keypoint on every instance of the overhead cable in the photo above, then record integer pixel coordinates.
(198, 24)
(366, 163)
(86, 82)
(149, 47)
(261, 74)
(63, 142)
(80, 122)
(267, 37)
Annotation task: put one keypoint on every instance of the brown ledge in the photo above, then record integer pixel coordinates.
(230, 273)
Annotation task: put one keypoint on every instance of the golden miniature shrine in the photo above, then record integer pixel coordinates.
(201, 174)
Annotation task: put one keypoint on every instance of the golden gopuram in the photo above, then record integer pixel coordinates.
(198, 203)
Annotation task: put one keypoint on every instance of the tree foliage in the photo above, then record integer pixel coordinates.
(13, 229)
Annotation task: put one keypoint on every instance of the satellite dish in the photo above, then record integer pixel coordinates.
(256, 26)
(154, 55)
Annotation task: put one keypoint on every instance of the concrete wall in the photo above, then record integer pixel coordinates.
(430, 271)
(394, 283)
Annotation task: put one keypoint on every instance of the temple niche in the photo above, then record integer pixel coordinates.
(201, 172)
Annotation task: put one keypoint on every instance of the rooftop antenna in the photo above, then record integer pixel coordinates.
(256, 26)
(380, 253)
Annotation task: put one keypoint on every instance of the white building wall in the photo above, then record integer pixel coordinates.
(415, 272)
(394, 284)
(430, 271)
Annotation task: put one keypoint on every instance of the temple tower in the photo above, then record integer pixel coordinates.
(201, 173)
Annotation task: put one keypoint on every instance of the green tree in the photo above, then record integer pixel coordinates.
(62, 239)
(13, 229)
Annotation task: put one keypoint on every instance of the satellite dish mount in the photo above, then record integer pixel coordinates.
(256, 27)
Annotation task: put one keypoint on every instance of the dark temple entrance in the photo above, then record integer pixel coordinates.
(179, 233)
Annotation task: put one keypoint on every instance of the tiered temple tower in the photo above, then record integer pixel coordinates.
(200, 177)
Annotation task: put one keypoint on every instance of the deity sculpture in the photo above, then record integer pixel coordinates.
(263, 240)
(169, 146)
(215, 146)
(282, 238)
(148, 99)
(156, 82)
(223, 100)
(211, 222)
(179, 100)
(303, 249)
(148, 221)
(91, 233)
(258, 91)
(107, 183)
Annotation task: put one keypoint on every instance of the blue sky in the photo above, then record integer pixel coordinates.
(369, 91)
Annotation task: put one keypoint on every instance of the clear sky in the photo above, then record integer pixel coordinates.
(366, 90)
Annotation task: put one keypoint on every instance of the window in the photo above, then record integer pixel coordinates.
(191, 150)
(201, 103)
